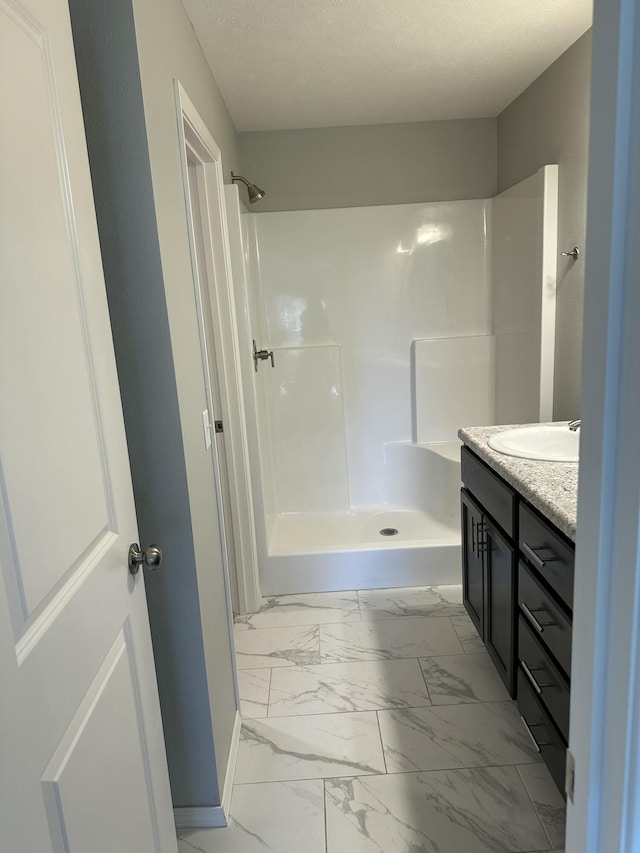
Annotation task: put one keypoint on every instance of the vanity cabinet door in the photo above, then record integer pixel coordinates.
(500, 573)
(472, 560)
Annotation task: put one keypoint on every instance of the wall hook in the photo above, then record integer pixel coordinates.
(574, 253)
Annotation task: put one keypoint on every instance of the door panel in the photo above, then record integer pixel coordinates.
(84, 767)
(116, 810)
(472, 563)
(50, 436)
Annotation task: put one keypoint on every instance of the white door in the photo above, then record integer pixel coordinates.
(82, 762)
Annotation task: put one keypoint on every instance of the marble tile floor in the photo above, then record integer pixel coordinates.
(374, 722)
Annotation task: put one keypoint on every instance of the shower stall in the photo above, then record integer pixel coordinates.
(390, 328)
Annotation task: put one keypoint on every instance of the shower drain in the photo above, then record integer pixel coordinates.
(388, 531)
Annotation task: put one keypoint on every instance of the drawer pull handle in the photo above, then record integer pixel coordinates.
(537, 743)
(530, 733)
(532, 619)
(532, 553)
(533, 680)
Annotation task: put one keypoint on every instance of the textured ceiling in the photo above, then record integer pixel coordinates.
(320, 63)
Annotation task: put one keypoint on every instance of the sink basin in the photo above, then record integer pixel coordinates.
(550, 443)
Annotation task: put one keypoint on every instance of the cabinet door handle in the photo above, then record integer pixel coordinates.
(473, 535)
(537, 743)
(533, 680)
(532, 553)
(530, 733)
(481, 530)
(532, 619)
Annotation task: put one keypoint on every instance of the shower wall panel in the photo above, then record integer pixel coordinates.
(257, 331)
(368, 281)
(465, 366)
(307, 428)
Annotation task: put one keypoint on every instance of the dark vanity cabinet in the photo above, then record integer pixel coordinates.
(517, 573)
(489, 561)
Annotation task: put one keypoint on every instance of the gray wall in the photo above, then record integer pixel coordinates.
(168, 49)
(371, 164)
(549, 123)
(127, 93)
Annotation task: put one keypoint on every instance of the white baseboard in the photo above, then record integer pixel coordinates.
(213, 817)
(229, 777)
(200, 817)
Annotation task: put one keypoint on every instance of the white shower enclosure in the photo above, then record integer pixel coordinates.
(391, 327)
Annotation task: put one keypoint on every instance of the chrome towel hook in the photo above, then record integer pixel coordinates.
(574, 253)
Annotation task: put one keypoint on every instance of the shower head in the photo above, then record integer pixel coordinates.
(254, 192)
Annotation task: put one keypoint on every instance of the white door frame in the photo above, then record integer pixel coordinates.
(605, 690)
(222, 311)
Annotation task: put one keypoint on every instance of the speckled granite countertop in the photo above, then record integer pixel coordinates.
(551, 487)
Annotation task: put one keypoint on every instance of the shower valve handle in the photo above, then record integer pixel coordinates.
(262, 355)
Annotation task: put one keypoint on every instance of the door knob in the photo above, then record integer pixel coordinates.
(152, 558)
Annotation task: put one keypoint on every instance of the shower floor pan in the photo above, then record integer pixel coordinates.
(320, 552)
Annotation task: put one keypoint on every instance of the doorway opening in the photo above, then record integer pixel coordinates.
(223, 421)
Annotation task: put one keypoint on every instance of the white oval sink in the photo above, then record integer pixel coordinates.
(550, 443)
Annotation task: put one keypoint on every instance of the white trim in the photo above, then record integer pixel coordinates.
(213, 817)
(227, 354)
(605, 700)
(227, 790)
(200, 817)
(548, 177)
(213, 151)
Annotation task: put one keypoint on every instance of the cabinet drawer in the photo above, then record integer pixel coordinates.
(544, 676)
(542, 730)
(548, 552)
(493, 493)
(545, 617)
